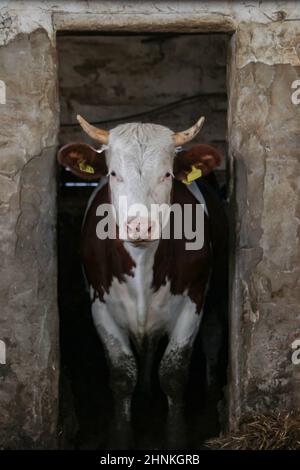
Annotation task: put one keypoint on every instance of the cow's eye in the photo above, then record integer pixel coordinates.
(116, 177)
(166, 177)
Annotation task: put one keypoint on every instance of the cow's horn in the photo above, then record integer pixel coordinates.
(183, 137)
(97, 134)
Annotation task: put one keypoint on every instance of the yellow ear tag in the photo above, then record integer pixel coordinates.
(86, 168)
(192, 175)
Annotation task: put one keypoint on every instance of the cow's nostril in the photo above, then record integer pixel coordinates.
(139, 228)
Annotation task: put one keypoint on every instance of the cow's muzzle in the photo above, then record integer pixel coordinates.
(140, 229)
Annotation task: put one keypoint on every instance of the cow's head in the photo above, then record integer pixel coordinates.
(141, 160)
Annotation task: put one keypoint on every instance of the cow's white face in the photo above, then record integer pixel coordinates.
(139, 158)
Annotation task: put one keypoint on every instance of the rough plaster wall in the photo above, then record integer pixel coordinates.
(264, 148)
(263, 130)
(104, 77)
(168, 15)
(28, 319)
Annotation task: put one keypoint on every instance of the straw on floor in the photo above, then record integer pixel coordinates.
(268, 431)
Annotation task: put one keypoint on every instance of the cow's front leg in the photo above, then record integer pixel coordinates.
(122, 373)
(174, 372)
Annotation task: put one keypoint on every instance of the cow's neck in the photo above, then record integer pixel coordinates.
(143, 256)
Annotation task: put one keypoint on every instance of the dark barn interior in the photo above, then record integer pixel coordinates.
(168, 79)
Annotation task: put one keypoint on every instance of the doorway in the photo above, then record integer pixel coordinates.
(168, 79)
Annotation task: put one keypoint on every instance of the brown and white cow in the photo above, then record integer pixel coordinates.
(143, 288)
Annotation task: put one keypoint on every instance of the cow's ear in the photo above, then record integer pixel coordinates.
(187, 163)
(83, 160)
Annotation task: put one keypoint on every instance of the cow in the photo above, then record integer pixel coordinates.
(143, 288)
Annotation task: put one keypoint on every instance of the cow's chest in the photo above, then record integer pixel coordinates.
(134, 304)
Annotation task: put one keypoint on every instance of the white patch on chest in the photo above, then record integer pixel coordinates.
(134, 306)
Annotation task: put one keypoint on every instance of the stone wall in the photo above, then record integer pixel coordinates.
(28, 319)
(263, 135)
(265, 151)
